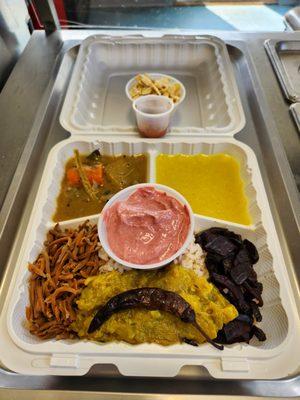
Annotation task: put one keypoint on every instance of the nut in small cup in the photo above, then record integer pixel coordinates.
(153, 114)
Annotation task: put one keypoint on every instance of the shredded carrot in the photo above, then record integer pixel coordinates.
(57, 279)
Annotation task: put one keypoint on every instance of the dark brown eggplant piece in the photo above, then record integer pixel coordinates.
(150, 299)
(94, 158)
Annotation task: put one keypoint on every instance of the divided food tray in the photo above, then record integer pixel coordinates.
(96, 103)
(275, 358)
(285, 58)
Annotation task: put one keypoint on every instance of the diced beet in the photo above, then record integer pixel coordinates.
(240, 272)
(212, 264)
(204, 237)
(235, 330)
(256, 312)
(229, 261)
(259, 333)
(228, 264)
(236, 292)
(252, 278)
(227, 233)
(259, 287)
(221, 245)
(242, 257)
(255, 293)
(252, 251)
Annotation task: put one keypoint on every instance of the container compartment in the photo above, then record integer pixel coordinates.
(96, 101)
(66, 357)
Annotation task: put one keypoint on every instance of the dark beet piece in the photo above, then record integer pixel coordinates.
(94, 157)
(252, 251)
(258, 286)
(228, 264)
(242, 257)
(229, 234)
(256, 312)
(237, 330)
(235, 291)
(259, 333)
(240, 272)
(248, 319)
(221, 245)
(229, 261)
(242, 267)
(252, 278)
(254, 293)
(204, 237)
(212, 264)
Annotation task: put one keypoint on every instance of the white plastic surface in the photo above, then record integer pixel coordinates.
(123, 195)
(96, 103)
(275, 358)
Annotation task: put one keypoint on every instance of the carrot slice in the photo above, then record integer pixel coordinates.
(73, 177)
(94, 174)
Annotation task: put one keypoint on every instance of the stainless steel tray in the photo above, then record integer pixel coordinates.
(260, 133)
(285, 57)
(295, 111)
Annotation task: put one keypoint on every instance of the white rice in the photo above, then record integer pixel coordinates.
(193, 258)
(110, 264)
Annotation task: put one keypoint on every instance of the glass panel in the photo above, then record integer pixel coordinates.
(170, 14)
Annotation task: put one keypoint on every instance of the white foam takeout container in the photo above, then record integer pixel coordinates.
(277, 357)
(95, 102)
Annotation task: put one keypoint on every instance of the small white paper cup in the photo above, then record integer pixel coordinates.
(153, 115)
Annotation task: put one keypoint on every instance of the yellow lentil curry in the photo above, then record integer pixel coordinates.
(106, 176)
(212, 184)
(142, 326)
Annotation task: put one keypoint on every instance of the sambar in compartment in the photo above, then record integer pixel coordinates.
(117, 172)
(212, 184)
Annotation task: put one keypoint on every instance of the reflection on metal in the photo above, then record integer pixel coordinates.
(47, 15)
(295, 110)
(14, 35)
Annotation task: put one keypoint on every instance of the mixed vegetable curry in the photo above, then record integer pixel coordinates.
(91, 180)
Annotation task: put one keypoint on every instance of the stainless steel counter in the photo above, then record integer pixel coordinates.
(29, 108)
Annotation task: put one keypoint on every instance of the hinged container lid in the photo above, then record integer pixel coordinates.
(96, 103)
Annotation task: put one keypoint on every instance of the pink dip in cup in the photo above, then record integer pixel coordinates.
(148, 227)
